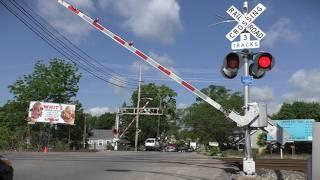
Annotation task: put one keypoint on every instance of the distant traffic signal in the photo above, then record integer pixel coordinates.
(231, 65)
(262, 63)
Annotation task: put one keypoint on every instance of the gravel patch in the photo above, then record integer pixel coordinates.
(268, 174)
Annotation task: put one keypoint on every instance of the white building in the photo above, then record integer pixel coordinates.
(100, 140)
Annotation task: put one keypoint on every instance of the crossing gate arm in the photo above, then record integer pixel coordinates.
(240, 120)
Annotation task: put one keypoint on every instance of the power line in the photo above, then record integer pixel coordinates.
(73, 45)
(189, 79)
(62, 47)
(57, 43)
(47, 31)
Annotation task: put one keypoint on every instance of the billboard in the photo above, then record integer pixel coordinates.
(51, 113)
(298, 129)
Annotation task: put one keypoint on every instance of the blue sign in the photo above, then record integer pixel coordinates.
(299, 129)
(247, 80)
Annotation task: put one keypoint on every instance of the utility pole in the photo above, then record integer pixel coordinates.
(117, 130)
(138, 111)
(69, 136)
(29, 137)
(84, 131)
(158, 130)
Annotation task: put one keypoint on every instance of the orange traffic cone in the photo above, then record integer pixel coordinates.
(45, 150)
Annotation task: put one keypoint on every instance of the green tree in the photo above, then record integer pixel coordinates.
(5, 137)
(208, 124)
(262, 140)
(299, 110)
(104, 121)
(162, 96)
(55, 82)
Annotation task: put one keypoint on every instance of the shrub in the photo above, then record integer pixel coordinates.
(231, 152)
(214, 150)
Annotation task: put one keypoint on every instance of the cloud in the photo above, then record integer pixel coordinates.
(182, 106)
(104, 4)
(164, 60)
(283, 31)
(274, 107)
(151, 19)
(97, 111)
(65, 22)
(304, 86)
(120, 84)
(135, 66)
(265, 95)
(262, 94)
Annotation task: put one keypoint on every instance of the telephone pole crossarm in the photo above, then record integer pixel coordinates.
(142, 111)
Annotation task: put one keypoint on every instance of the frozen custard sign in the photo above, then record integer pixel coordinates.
(245, 28)
(51, 113)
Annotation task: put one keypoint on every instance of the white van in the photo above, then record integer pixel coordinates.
(152, 144)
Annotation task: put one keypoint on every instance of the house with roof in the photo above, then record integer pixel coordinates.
(101, 139)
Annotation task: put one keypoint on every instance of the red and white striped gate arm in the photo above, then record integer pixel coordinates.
(241, 120)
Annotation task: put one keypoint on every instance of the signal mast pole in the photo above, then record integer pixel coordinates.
(246, 92)
(248, 163)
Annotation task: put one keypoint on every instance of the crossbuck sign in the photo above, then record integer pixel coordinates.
(245, 27)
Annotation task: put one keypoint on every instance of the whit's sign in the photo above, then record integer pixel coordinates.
(245, 27)
(51, 113)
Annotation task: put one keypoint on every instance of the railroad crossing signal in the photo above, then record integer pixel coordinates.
(231, 65)
(262, 63)
(245, 28)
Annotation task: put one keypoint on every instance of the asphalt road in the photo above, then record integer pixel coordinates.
(117, 166)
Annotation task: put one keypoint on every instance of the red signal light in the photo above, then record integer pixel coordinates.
(231, 65)
(233, 61)
(265, 61)
(262, 63)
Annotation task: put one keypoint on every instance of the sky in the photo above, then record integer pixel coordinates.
(177, 34)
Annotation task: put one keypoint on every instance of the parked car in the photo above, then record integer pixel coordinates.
(171, 148)
(6, 169)
(152, 144)
(184, 148)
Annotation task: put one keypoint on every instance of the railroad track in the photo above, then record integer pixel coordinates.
(276, 164)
